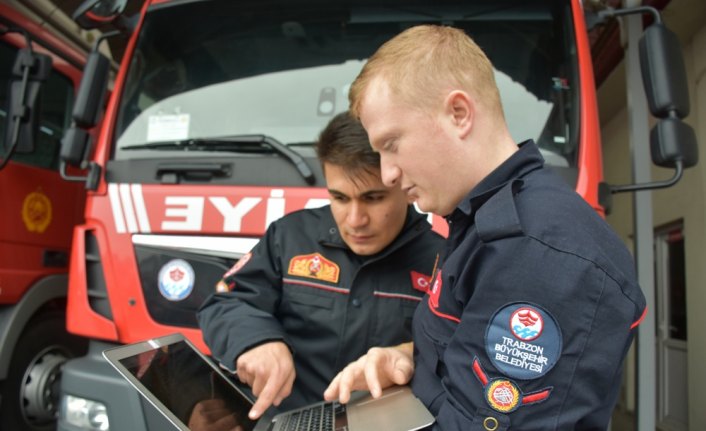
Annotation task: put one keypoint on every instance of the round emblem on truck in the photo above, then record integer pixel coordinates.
(36, 212)
(176, 280)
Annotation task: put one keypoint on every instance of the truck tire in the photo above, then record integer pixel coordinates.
(30, 394)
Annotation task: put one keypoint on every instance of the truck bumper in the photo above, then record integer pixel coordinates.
(91, 377)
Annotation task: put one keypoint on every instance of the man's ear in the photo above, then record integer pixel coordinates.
(459, 107)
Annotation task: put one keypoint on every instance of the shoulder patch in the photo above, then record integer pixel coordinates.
(314, 266)
(523, 341)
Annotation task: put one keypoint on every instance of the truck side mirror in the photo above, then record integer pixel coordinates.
(73, 146)
(92, 91)
(87, 109)
(96, 13)
(672, 142)
(86, 113)
(29, 71)
(22, 116)
(663, 72)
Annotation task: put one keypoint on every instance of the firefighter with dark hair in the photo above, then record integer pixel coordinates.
(325, 285)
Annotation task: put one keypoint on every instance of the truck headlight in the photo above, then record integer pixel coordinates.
(85, 414)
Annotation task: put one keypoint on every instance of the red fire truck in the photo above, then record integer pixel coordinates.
(207, 138)
(39, 74)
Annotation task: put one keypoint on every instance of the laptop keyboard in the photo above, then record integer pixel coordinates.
(317, 418)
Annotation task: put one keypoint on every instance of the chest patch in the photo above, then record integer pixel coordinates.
(420, 281)
(314, 266)
(523, 341)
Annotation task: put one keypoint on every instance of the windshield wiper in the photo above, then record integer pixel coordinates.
(237, 143)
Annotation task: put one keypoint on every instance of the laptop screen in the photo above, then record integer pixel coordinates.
(179, 378)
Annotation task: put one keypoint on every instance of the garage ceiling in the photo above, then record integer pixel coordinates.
(605, 41)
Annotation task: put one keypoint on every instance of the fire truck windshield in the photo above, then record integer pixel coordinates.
(209, 69)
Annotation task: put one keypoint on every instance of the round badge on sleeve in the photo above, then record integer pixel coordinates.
(176, 280)
(503, 395)
(523, 341)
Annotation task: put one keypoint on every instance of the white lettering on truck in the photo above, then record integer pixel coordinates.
(188, 209)
(233, 215)
(186, 213)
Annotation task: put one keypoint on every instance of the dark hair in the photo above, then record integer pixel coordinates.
(344, 142)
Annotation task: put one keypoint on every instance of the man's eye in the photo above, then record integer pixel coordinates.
(390, 145)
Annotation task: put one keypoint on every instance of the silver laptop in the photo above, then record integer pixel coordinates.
(188, 388)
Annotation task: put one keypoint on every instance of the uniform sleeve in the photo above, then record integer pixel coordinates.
(539, 344)
(233, 322)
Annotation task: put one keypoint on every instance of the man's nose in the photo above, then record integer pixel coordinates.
(357, 215)
(389, 173)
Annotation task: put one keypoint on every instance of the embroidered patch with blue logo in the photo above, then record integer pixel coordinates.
(523, 341)
(176, 280)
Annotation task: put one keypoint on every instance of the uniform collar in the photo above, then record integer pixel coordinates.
(328, 231)
(526, 159)
(415, 224)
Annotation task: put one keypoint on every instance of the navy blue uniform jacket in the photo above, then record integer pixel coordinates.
(302, 285)
(532, 312)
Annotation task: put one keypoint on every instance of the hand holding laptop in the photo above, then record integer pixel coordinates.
(269, 370)
(380, 368)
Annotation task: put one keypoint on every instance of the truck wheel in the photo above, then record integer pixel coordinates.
(30, 394)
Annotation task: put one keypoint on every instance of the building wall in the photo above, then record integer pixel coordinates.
(685, 201)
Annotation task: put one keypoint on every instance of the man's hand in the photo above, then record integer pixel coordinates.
(213, 415)
(269, 370)
(378, 369)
